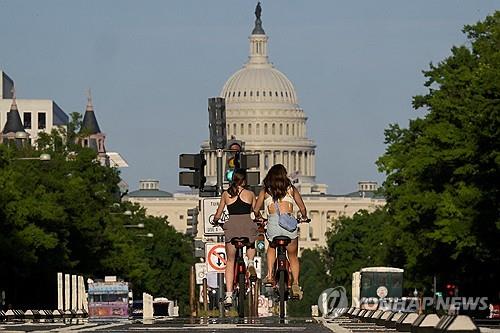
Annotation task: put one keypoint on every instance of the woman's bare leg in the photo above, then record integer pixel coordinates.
(292, 250)
(230, 255)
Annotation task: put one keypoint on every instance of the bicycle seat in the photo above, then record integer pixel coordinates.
(281, 240)
(240, 241)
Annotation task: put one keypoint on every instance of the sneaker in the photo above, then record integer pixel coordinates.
(228, 300)
(252, 272)
(297, 292)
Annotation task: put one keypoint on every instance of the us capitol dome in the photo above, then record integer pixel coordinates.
(262, 110)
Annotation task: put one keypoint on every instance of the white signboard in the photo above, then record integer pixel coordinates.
(257, 263)
(216, 257)
(209, 209)
(201, 272)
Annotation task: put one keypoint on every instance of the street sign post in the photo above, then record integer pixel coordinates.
(209, 206)
(216, 257)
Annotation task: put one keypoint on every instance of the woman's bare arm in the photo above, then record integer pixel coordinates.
(258, 203)
(300, 203)
(220, 209)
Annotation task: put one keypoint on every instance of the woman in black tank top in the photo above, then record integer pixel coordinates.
(239, 203)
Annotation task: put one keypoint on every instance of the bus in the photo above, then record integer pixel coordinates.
(370, 284)
(108, 299)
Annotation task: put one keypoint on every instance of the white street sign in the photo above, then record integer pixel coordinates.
(201, 272)
(209, 206)
(216, 257)
(257, 263)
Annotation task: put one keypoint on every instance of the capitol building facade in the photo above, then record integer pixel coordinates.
(262, 110)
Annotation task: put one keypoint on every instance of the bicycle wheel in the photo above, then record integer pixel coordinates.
(241, 295)
(281, 287)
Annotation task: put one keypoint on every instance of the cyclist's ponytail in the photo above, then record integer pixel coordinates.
(239, 179)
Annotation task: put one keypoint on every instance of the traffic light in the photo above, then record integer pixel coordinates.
(192, 222)
(249, 161)
(450, 289)
(217, 122)
(199, 248)
(195, 162)
(234, 148)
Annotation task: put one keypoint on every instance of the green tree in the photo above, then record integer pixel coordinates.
(314, 279)
(64, 215)
(443, 170)
(364, 240)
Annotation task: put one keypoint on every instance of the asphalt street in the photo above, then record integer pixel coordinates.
(270, 324)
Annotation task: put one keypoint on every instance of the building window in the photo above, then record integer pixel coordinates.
(239, 93)
(287, 129)
(249, 129)
(266, 161)
(251, 93)
(273, 129)
(265, 129)
(264, 93)
(27, 120)
(276, 93)
(258, 129)
(42, 120)
(181, 217)
(244, 94)
(281, 129)
(234, 129)
(293, 129)
(242, 129)
(234, 93)
(257, 92)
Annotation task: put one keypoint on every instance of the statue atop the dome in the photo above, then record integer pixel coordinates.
(258, 10)
(257, 30)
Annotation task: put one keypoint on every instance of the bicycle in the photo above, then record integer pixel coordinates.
(240, 282)
(282, 272)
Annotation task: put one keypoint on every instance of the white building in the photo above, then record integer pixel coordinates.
(262, 110)
(37, 115)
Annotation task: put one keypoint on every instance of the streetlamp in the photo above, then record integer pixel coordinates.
(149, 235)
(139, 225)
(42, 157)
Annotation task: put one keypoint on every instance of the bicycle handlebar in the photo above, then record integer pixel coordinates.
(299, 220)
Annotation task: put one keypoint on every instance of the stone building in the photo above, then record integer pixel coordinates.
(262, 110)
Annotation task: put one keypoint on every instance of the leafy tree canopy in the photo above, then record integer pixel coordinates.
(443, 170)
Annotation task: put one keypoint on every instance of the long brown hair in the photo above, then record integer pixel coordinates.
(239, 179)
(277, 182)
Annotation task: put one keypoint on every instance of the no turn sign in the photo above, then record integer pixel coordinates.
(216, 257)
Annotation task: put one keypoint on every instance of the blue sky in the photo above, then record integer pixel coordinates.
(152, 65)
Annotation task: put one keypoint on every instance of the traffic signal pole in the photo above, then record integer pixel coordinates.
(220, 238)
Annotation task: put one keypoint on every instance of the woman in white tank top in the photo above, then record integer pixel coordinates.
(277, 187)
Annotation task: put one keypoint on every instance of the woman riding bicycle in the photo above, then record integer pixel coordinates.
(278, 189)
(239, 202)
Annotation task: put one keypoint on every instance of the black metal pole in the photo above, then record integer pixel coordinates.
(220, 238)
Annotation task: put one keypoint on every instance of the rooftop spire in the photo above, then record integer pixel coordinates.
(258, 42)
(89, 122)
(257, 30)
(90, 107)
(14, 123)
(13, 106)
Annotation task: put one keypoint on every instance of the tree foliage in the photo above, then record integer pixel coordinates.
(443, 170)
(64, 215)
